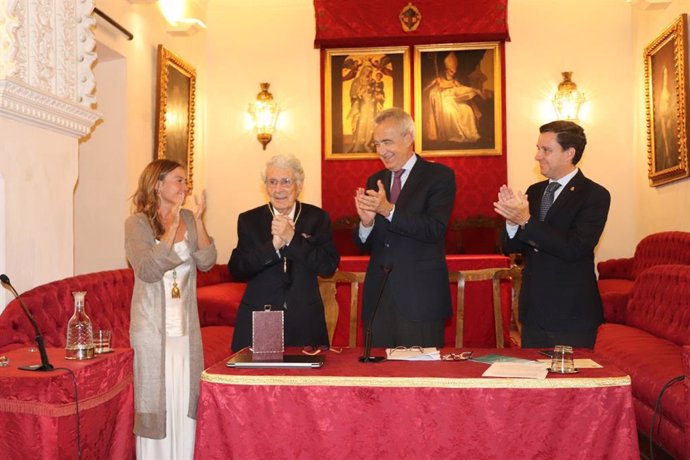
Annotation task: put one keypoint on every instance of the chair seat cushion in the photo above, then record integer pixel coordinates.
(216, 342)
(651, 362)
(614, 285)
(218, 303)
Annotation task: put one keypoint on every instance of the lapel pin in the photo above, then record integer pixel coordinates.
(572, 189)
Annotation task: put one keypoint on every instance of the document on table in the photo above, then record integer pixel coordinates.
(413, 354)
(580, 363)
(533, 370)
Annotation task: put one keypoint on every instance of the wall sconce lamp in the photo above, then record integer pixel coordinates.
(264, 113)
(568, 99)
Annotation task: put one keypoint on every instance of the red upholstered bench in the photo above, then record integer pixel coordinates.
(652, 344)
(108, 301)
(616, 276)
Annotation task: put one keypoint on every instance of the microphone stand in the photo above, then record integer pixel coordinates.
(45, 365)
(367, 358)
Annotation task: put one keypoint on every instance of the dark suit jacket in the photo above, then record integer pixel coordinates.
(310, 253)
(412, 244)
(559, 287)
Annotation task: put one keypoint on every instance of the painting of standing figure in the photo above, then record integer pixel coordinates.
(666, 78)
(458, 99)
(359, 83)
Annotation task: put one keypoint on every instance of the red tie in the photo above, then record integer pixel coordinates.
(397, 185)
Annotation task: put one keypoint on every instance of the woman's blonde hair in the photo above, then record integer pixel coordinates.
(145, 199)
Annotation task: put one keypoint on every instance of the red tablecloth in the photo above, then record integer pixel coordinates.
(478, 327)
(38, 412)
(396, 409)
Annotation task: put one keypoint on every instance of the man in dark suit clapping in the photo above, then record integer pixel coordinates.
(556, 226)
(283, 247)
(404, 214)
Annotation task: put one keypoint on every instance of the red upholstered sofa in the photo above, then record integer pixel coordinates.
(107, 302)
(650, 340)
(616, 276)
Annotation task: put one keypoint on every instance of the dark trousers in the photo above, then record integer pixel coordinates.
(390, 329)
(536, 337)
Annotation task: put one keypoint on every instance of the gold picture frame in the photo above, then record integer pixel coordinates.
(358, 83)
(175, 101)
(458, 99)
(666, 81)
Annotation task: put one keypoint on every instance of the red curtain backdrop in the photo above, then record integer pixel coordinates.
(375, 23)
(349, 23)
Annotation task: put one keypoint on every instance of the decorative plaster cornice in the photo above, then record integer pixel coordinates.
(25, 103)
(47, 50)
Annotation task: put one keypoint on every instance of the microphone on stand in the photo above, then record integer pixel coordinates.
(367, 358)
(45, 365)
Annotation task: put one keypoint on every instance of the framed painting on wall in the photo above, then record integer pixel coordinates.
(458, 99)
(666, 81)
(359, 83)
(175, 97)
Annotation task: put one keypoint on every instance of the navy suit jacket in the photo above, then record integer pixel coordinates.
(412, 244)
(559, 287)
(311, 253)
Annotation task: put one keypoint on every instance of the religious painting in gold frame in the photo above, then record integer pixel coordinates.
(359, 83)
(175, 98)
(458, 99)
(666, 83)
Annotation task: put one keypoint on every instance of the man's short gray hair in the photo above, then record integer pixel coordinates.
(286, 161)
(403, 119)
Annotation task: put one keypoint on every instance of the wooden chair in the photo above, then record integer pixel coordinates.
(328, 289)
(476, 235)
(495, 275)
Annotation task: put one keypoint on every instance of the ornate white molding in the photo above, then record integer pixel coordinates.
(47, 50)
(8, 37)
(25, 103)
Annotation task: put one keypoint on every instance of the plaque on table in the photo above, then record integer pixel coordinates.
(267, 335)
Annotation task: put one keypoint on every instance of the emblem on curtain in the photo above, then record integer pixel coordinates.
(410, 17)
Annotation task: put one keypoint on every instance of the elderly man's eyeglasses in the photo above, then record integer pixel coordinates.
(285, 182)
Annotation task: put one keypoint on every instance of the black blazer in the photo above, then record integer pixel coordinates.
(559, 287)
(311, 253)
(412, 244)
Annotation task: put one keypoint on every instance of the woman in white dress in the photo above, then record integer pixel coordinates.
(164, 245)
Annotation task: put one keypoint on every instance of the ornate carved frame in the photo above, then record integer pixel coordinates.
(666, 80)
(175, 98)
(343, 67)
(484, 75)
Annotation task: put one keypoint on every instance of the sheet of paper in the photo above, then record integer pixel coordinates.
(517, 370)
(413, 354)
(580, 363)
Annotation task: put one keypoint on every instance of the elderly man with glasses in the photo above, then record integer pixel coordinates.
(283, 246)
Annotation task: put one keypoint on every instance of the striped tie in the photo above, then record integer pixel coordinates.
(547, 199)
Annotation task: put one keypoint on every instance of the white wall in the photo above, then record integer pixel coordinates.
(100, 203)
(39, 168)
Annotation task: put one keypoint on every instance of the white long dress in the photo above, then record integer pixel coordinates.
(180, 429)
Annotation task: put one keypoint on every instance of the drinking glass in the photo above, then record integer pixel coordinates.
(102, 341)
(562, 361)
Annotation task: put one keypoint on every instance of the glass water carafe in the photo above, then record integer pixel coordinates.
(79, 331)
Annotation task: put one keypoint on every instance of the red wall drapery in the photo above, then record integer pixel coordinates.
(375, 22)
(365, 23)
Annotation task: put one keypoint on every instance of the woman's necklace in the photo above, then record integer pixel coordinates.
(175, 291)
